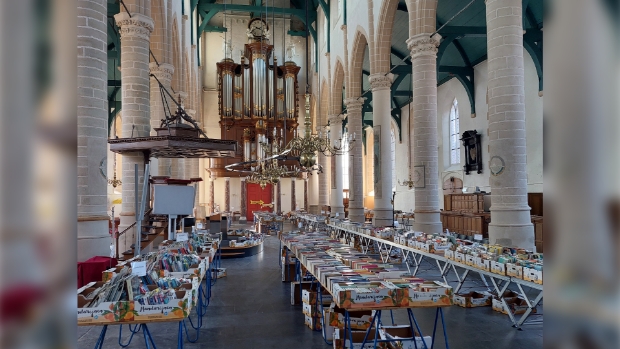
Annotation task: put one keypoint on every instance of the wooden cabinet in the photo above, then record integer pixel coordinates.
(535, 201)
(473, 203)
(538, 232)
(465, 223)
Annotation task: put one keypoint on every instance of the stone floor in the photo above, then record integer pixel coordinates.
(250, 308)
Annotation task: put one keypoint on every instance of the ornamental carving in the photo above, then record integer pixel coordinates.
(163, 72)
(380, 81)
(136, 26)
(354, 104)
(333, 119)
(423, 45)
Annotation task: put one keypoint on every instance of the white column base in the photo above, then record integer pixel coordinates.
(383, 218)
(512, 227)
(314, 209)
(339, 210)
(356, 215)
(427, 222)
(93, 239)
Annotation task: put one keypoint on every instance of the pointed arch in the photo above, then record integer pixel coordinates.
(422, 16)
(360, 44)
(323, 105)
(158, 37)
(176, 53)
(337, 87)
(383, 39)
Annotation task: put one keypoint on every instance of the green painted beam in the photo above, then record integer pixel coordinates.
(301, 33)
(214, 28)
(257, 9)
(536, 53)
(464, 31)
(114, 83)
(326, 12)
(467, 71)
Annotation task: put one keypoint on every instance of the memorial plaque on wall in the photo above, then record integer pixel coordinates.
(377, 160)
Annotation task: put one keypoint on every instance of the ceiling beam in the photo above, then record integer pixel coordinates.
(464, 31)
(402, 7)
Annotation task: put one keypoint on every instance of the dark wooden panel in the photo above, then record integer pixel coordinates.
(535, 200)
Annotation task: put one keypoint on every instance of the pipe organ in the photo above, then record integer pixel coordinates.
(255, 96)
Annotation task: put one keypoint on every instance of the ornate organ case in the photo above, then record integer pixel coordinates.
(255, 96)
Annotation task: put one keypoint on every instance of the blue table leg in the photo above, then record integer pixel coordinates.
(120, 335)
(99, 343)
(180, 336)
(148, 337)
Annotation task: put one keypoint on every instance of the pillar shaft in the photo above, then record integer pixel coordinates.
(227, 195)
(382, 112)
(212, 195)
(356, 193)
(425, 154)
(244, 193)
(293, 195)
(323, 182)
(510, 214)
(335, 135)
(306, 194)
(92, 108)
(135, 35)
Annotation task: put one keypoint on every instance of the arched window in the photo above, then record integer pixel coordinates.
(345, 164)
(393, 152)
(455, 143)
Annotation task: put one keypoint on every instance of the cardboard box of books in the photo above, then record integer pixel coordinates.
(469, 260)
(459, 257)
(360, 320)
(397, 334)
(310, 310)
(370, 295)
(430, 294)
(473, 299)
(310, 297)
(516, 305)
(514, 270)
(314, 323)
(342, 340)
(498, 268)
(533, 275)
(175, 305)
(483, 264)
(91, 311)
(328, 332)
(449, 254)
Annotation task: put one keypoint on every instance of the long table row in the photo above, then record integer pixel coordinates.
(413, 258)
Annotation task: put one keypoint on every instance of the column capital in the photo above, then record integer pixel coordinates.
(354, 104)
(138, 25)
(163, 72)
(423, 45)
(334, 119)
(381, 81)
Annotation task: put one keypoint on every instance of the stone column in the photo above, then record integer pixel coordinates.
(227, 194)
(323, 180)
(356, 193)
(335, 135)
(511, 224)
(212, 194)
(244, 193)
(425, 154)
(306, 208)
(135, 34)
(314, 189)
(92, 113)
(293, 195)
(382, 112)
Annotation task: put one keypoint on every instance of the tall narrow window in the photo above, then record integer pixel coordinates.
(393, 151)
(455, 143)
(345, 165)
